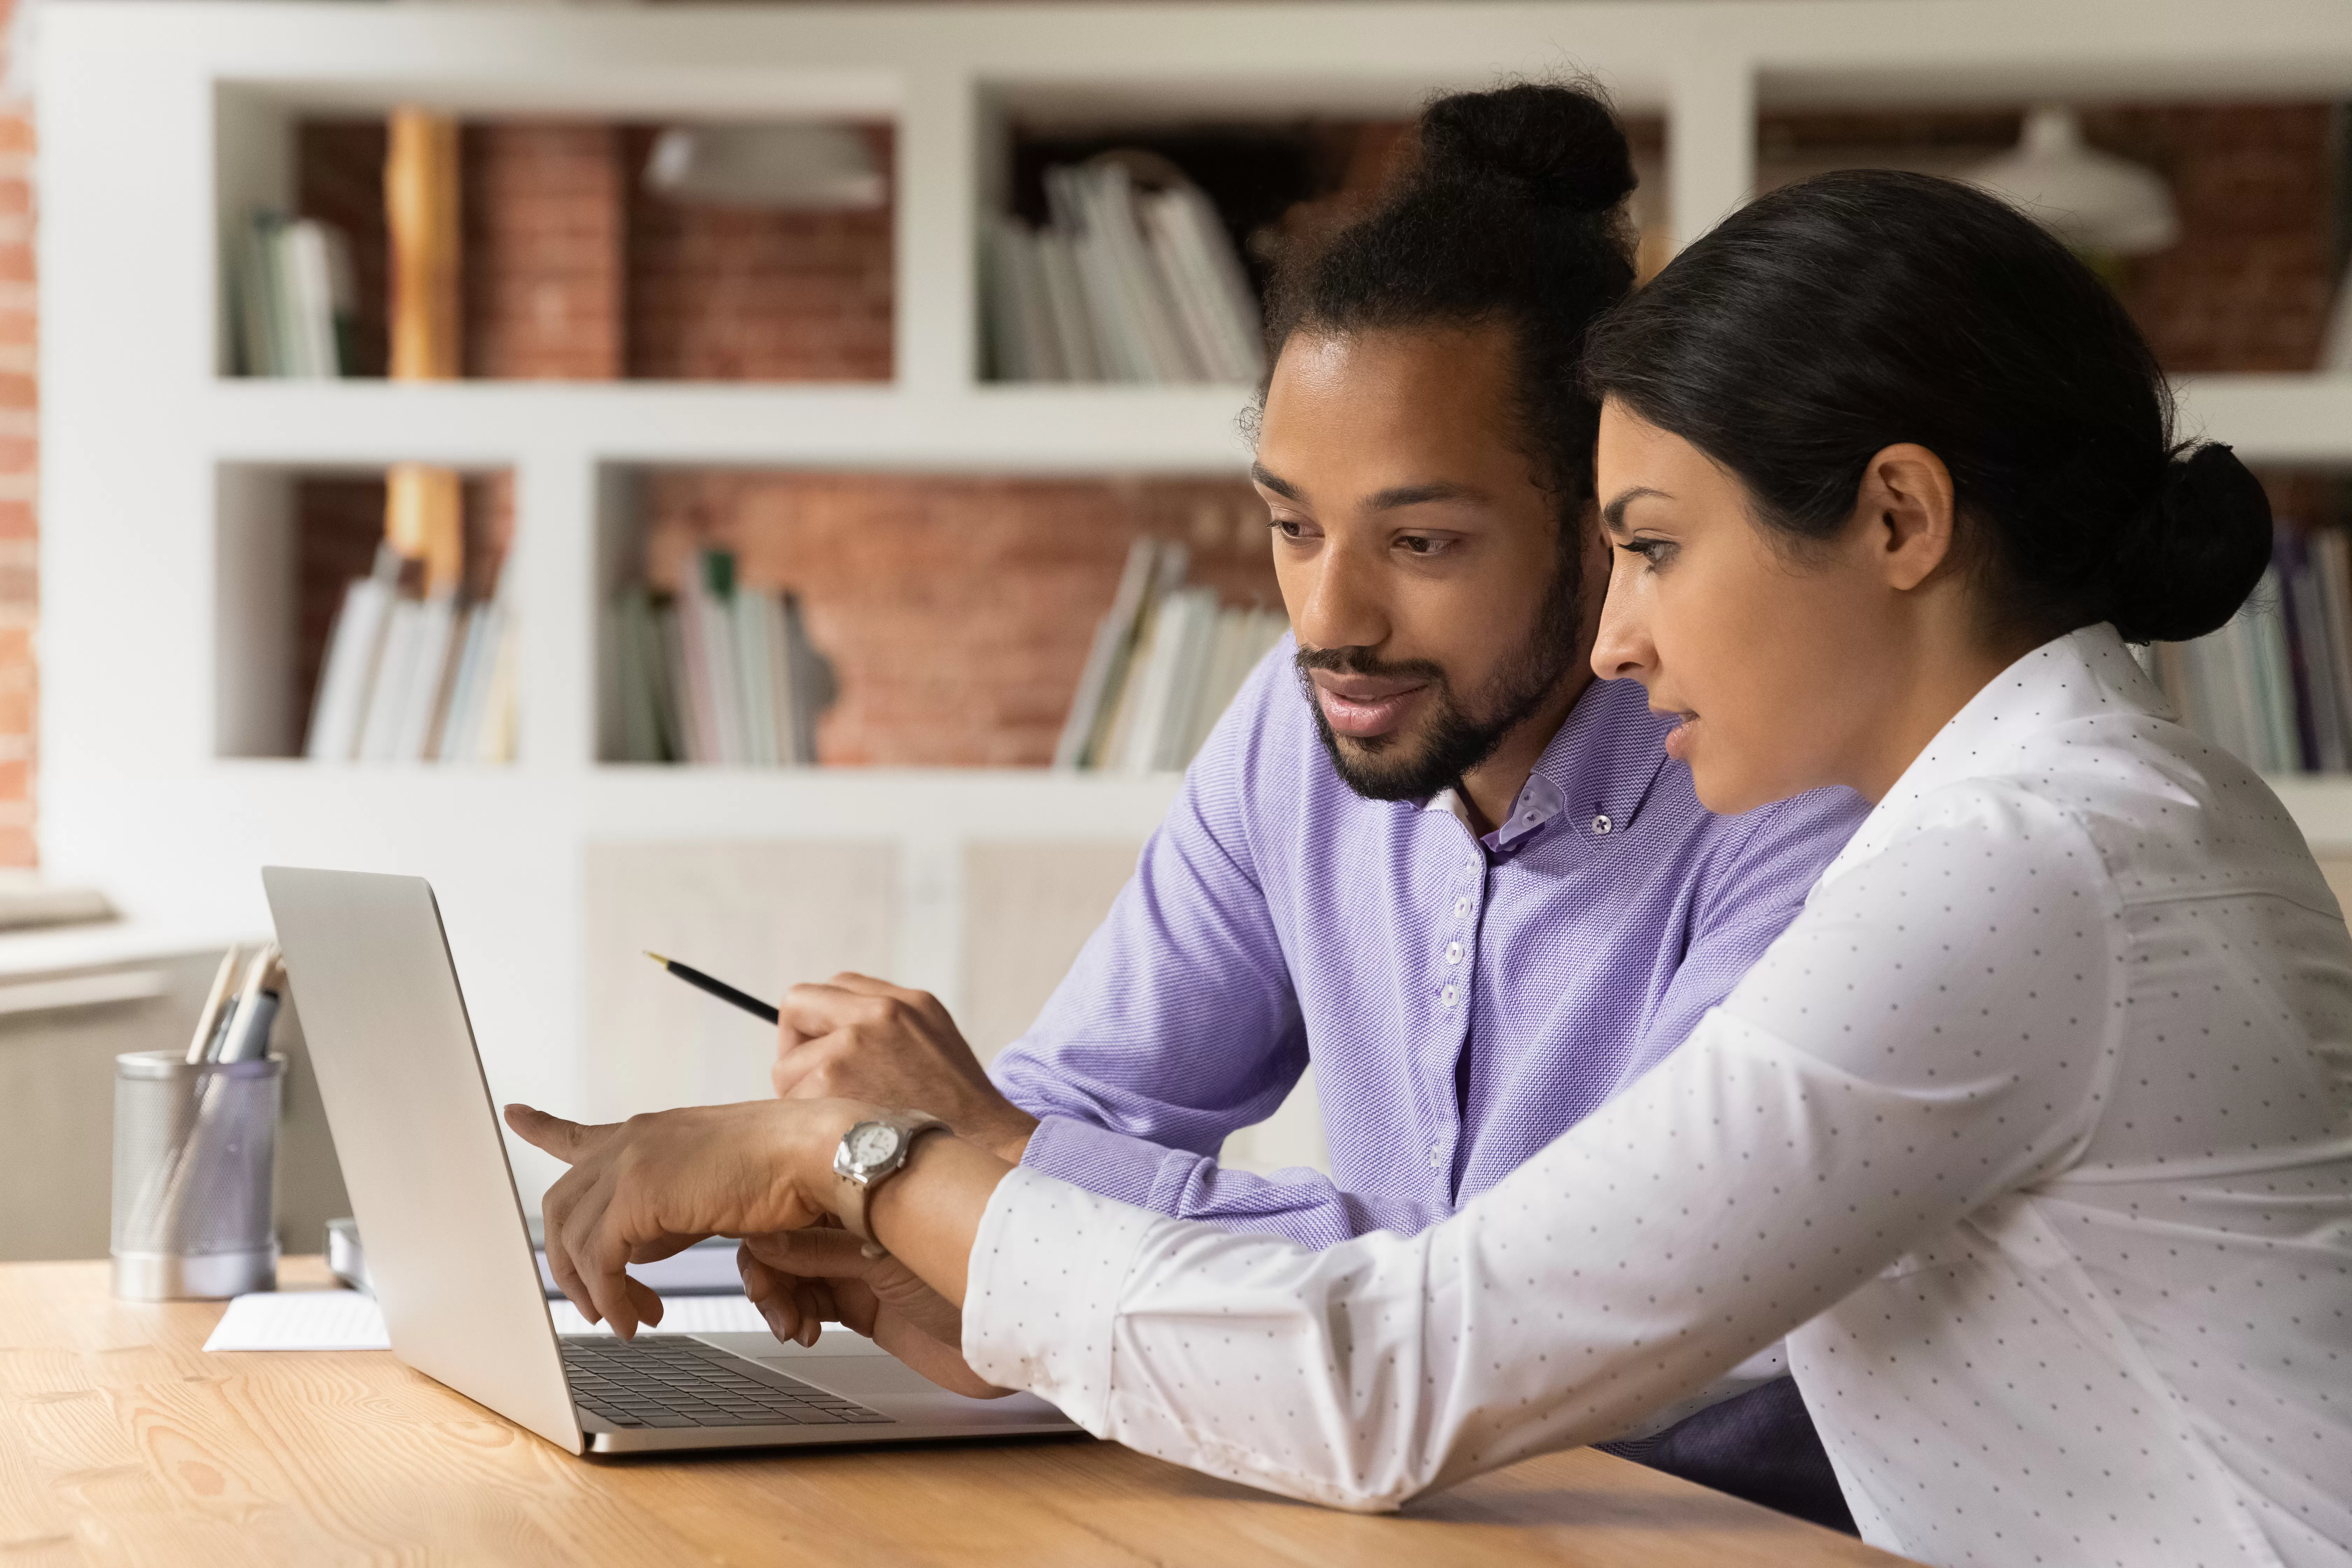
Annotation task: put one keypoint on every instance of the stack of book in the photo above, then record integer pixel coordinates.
(1127, 283)
(717, 673)
(2274, 686)
(294, 298)
(415, 676)
(1166, 663)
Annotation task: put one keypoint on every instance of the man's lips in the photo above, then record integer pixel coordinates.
(1362, 705)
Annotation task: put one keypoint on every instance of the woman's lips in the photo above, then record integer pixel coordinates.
(1678, 739)
(1365, 710)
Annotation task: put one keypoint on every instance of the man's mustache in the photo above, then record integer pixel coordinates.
(1359, 660)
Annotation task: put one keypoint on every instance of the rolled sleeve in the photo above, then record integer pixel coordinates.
(1041, 1309)
(1118, 1165)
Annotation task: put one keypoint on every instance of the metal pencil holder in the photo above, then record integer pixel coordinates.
(196, 1210)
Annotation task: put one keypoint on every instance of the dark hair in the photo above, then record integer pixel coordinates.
(1509, 214)
(1832, 319)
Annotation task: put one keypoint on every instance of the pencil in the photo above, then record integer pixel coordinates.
(719, 988)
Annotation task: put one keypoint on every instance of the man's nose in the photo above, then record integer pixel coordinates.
(1342, 606)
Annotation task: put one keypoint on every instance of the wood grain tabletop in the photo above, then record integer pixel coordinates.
(123, 1443)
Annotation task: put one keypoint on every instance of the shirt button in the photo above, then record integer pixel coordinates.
(1436, 1155)
(1471, 863)
(1449, 994)
(1452, 953)
(1461, 908)
(1602, 825)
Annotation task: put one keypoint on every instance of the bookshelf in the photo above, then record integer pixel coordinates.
(160, 124)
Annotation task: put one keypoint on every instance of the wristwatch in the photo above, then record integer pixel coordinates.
(872, 1152)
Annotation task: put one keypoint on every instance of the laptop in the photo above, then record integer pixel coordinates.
(449, 1255)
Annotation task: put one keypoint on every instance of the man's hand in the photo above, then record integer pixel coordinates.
(860, 1039)
(801, 1280)
(649, 1186)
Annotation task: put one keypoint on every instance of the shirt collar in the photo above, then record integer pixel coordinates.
(1596, 771)
(2082, 675)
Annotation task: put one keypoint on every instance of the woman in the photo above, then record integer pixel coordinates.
(2034, 1133)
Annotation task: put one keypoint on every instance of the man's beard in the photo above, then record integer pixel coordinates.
(1457, 736)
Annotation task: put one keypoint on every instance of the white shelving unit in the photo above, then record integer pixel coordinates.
(161, 121)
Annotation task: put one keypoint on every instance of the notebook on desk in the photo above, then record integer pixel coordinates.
(449, 1254)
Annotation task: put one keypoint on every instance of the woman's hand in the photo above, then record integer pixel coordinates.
(647, 1187)
(801, 1280)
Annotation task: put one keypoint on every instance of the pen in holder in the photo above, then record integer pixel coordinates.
(195, 1139)
(195, 1211)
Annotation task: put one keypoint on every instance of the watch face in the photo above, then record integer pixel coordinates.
(872, 1144)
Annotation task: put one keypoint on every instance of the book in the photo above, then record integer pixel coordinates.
(1133, 278)
(1107, 658)
(454, 739)
(755, 677)
(1074, 335)
(354, 650)
(815, 683)
(431, 667)
(257, 322)
(1188, 625)
(796, 744)
(637, 676)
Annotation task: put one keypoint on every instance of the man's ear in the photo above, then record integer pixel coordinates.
(1905, 506)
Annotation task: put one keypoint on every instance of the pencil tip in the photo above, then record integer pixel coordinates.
(656, 957)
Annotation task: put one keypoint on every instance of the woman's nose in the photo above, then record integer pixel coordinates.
(1622, 648)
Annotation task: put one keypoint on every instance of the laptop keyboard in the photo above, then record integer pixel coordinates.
(669, 1380)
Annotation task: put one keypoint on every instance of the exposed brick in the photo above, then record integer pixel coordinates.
(543, 249)
(727, 294)
(2247, 286)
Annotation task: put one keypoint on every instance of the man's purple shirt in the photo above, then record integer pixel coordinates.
(1464, 1002)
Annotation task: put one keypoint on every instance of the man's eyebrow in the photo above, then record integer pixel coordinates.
(1273, 482)
(1398, 496)
(1613, 516)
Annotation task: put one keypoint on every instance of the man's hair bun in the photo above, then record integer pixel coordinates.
(2197, 551)
(1555, 144)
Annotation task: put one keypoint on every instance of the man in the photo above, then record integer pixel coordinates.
(1424, 851)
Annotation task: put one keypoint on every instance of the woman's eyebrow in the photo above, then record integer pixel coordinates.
(1613, 516)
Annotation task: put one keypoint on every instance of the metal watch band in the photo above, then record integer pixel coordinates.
(857, 1187)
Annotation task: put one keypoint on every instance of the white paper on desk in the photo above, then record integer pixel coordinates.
(301, 1321)
(347, 1320)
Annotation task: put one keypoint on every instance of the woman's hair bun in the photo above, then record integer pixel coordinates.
(2197, 551)
(1557, 143)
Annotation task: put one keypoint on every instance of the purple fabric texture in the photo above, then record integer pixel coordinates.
(1464, 1002)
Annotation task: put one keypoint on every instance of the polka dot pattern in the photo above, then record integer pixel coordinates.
(2034, 1133)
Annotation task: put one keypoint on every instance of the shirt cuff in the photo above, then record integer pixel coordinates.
(1114, 1164)
(1048, 1265)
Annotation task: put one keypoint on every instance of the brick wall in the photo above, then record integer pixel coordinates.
(573, 271)
(19, 588)
(957, 610)
(2249, 284)
(543, 248)
(736, 294)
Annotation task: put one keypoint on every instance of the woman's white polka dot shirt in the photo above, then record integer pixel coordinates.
(2034, 1133)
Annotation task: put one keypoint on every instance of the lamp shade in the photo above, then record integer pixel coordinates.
(2091, 200)
(790, 167)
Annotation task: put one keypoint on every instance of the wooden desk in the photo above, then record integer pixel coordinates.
(120, 1442)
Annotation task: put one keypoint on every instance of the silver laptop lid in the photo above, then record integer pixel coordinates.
(420, 1141)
